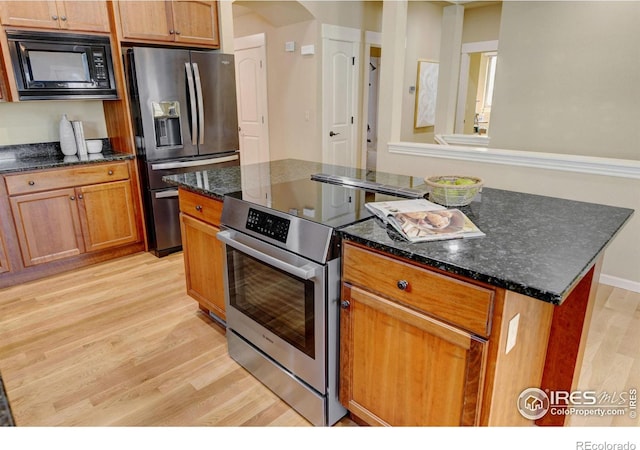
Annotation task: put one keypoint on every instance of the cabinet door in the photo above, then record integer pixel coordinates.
(87, 15)
(48, 226)
(4, 263)
(203, 264)
(196, 22)
(146, 20)
(107, 215)
(38, 14)
(403, 368)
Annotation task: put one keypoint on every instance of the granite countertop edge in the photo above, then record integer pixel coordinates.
(6, 417)
(28, 157)
(550, 297)
(518, 254)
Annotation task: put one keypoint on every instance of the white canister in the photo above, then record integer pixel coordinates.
(67, 137)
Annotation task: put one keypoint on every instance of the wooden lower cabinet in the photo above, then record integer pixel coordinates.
(107, 215)
(48, 225)
(420, 347)
(80, 211)
(4, 262)
(404, 368)
(203, 252)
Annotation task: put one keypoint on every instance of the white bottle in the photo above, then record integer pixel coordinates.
(67, 138)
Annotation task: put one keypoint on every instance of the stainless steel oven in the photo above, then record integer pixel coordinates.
(282, 305)
(282, 285)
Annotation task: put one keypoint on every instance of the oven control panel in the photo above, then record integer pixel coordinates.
(268, 225)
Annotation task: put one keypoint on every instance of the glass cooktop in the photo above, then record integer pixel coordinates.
(330, 204)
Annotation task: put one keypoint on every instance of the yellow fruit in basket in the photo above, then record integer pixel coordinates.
(465, 181)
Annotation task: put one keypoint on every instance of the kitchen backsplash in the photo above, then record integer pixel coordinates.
(38, 121)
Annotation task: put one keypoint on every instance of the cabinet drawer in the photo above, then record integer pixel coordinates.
(463, 304)
(29, 182)
(201, 207)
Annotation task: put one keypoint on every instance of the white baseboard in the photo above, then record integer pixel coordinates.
(622, 283)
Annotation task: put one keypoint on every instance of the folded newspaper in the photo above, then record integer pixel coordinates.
(420, 220)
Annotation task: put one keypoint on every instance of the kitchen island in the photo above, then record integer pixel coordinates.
(515, 303)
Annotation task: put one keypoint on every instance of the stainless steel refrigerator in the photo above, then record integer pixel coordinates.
(183, 105)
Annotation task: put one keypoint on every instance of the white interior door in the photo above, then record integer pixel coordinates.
(340, 68)
(251, 86)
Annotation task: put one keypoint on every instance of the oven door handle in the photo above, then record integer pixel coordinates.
(306, 272)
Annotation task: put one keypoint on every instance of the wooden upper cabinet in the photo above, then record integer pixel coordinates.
(185, 22)
(57, 15)
(196, 22)
(146, 20)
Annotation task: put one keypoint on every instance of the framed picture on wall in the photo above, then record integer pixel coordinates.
(426, 90)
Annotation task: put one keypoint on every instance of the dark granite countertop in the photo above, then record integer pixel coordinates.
(20, 158)
(534, 245)
(219, 182)
(6, 418)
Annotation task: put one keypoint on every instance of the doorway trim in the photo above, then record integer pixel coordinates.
(372, 39)
(465, 61)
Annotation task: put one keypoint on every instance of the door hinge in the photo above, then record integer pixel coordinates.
(351, 120)
(262, 120)
(261, 64)
(353, 60)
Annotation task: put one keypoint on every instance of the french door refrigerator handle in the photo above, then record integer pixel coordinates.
(196, 76)
(306, 272)
(192, 103)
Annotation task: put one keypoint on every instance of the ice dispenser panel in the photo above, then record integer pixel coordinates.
(166, 119)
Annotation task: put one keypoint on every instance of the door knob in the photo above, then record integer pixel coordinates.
(332, 134)
(403, 285)
(345, 304)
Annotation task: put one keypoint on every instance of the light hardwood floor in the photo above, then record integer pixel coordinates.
(120, 343)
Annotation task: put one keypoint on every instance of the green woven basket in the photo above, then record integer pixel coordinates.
(452, 194)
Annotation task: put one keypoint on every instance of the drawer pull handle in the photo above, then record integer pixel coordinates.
(72, 198)
(403, 285)
(345, 304)
(110, 172)
(198, 208)
(31, 182)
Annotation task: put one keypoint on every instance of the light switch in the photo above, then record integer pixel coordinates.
(308, 49)
(513, 333)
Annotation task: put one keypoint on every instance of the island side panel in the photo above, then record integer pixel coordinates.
(511, 372)
(567, 340)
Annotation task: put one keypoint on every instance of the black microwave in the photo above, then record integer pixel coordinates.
(61, 66)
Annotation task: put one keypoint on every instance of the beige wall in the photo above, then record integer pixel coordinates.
(568, 79)
(294, 81)
(38, 121)
(424, 27)
(622, 258)
(482, 24)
